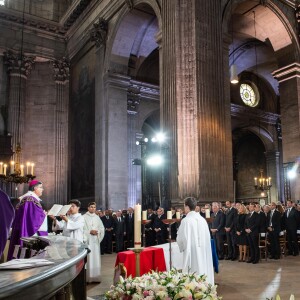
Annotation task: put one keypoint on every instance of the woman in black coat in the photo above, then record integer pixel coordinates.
(241, 238)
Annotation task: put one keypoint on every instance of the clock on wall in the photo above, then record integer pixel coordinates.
(249, 94)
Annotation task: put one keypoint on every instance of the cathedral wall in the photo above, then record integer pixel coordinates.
(39, 138)
(82, 127)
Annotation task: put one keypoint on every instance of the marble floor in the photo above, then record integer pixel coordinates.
(236, 280)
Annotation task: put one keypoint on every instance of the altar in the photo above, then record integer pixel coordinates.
(157, 258)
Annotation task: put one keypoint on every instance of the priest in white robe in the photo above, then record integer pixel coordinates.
(93, 234)
(71, 224)
(193, 239)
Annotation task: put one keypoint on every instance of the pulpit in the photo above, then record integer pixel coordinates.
(66, 276)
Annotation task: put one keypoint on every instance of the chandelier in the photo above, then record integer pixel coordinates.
(15, 171)
(262, 183)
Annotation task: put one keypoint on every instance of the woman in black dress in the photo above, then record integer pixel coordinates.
(241, 238)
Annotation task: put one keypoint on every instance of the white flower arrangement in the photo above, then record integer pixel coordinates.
(164, 286)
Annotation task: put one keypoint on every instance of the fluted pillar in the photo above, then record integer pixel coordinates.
(194, 111)
(273, 171)
(18, 68)
(289, 88)
(61, 77)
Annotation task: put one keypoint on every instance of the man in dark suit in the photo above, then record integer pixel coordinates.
(230, 234)
(130, 227)
(217, 229)
(291, 224)
(159, 227)
(252, 230)
(108, 223)
(149, 230)
(119, 231)
(262, 227)
(274, 227)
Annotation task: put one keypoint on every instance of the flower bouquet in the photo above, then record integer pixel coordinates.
(163, 286)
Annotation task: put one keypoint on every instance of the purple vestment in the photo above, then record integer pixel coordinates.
(7, 214)
(29, 218)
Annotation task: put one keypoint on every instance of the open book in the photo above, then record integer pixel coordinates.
(58, 210)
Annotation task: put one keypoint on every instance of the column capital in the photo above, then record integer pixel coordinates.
(98, 34)
(287, 72)
(133, 100)
(61, 70)
(18, 64)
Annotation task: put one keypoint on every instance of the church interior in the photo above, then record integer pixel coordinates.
(123, 102)
(82, 82)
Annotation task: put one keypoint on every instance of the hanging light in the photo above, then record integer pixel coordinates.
(15, 171)
(233, 74)
(234, 79)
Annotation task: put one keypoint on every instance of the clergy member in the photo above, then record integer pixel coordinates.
(30, 218)
(7, 214)
(193, 239)
(71, 224)
(93, 234)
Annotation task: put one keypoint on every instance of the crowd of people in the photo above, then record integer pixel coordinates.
(235, 227)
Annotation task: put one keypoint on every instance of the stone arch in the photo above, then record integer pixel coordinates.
(120, 43)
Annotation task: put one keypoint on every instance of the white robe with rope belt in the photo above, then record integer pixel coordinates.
(93, 266)
(193, 239)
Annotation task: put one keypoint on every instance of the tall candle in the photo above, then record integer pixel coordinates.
(255, 181)
(137, 225)
(4, 169)
(22, 170)
(177, 215)
(12, 167)
(207, 213)
(32, 165)
(27, 168)
(1, 168)
(269, 180)
(169, 214)
(144, 215)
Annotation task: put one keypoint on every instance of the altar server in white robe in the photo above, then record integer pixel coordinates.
(71, 224)
(193, 239)
(93, 234)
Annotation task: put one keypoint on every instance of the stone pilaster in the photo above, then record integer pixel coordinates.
(289, 88)
(199, 127)
(133, 101)
(98, 36)
(18, 67)
(273, 171)
(61, 77)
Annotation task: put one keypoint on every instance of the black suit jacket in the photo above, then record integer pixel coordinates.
(108, 223)
(292, 221)
(262, 227)
(230, 216)
(218, 222)
(275, 220)
(252, 222)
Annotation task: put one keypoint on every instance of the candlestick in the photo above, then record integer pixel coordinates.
(207, 213)
(144, 215)
(1, 168)
(22, 170)
(269, 180)
(4, 169)
(255, 181)
(177, 215)
(137, 226)
(169, 215)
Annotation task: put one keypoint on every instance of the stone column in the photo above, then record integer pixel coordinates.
(289, 88)
(134, 191)
(273, 171)
(18, 68)
(194, 111)
(61, 77)
(98, 35)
